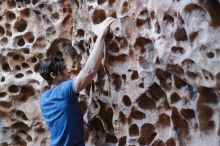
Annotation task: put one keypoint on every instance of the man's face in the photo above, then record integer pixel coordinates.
(65, 75)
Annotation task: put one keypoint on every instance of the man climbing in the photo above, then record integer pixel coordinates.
(59, 105)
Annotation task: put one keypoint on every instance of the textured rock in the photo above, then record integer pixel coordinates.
(158, 84)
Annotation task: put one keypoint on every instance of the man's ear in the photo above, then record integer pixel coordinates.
(52, 75)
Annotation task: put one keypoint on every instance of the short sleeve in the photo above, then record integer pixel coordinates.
(68, 88)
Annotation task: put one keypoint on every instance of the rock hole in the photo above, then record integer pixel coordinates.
(34, 60)
(113, 47)
(179, 83)
(124, 77)
(192, 7)
(158, 142)
(35, 2)
(164, 120)
(133, 130)
(107, 116)
(101, 1)
(114, 14)
(3, 94)
(193, 35)
(168, 19)
(19, 75)
(123, 43)
(147, 134)
(25, 12)
(126, 100)
(17, 140)
(191, 75)
(80, 33)
(29, 72)
(175, 68)
(187, 63)
(171, 142)
(50, 31)
(28, 90)
(141, 85)
(134, 75)
(11, 4)
(21, 42)
(180, 34)
(157, 27)
(181, 126)
(39, 129)
(125, 8)
(152, 14)
(207, 95)
(97, 125)
(20, 126)
(13, 89)
(16, 57)
(177, 50)
(5, 104)
(210, 54)
(2, 31)
(164, 78)
(156, 92)
(37, 67)
(6, 67)
(213, 7)
(98, 16)
(122, 117)
(122, 141)
(111, 139)
(135, 114)
(8, 26)
(21, 25)
(17, 67)
(208, 126)
(174, 97)
(4, 41)
(141, 22)
(25, 65)
(188, 113)
(9, 33)
(142, 43)
(55, 16)
(29, 36)
(21, 115)
(145, 102)
(205, 116)
(26, 50)
(117, 81)
(2, 79)
(10, 16)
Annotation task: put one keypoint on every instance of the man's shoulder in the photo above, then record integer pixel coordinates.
(42, 96)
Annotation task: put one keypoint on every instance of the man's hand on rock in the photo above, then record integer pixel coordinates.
(102, 28)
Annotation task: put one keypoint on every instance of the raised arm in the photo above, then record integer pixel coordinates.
(86, 75)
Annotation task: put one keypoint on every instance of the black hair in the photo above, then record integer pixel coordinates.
(53, 64)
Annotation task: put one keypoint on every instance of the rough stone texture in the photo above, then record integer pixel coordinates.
(158, 84)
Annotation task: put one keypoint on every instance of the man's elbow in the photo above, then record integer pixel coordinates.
(89, 71)
(85, 79)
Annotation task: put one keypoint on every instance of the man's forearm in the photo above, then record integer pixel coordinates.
(95, 58)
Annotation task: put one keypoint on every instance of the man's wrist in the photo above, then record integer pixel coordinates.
(101, 37)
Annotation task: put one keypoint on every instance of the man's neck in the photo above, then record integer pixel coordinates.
(53, 85)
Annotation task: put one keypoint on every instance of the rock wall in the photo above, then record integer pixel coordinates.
(158, 84)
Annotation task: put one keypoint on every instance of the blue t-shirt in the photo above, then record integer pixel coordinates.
(61, 110)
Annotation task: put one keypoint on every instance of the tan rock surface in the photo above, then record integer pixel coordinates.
(158, 84)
